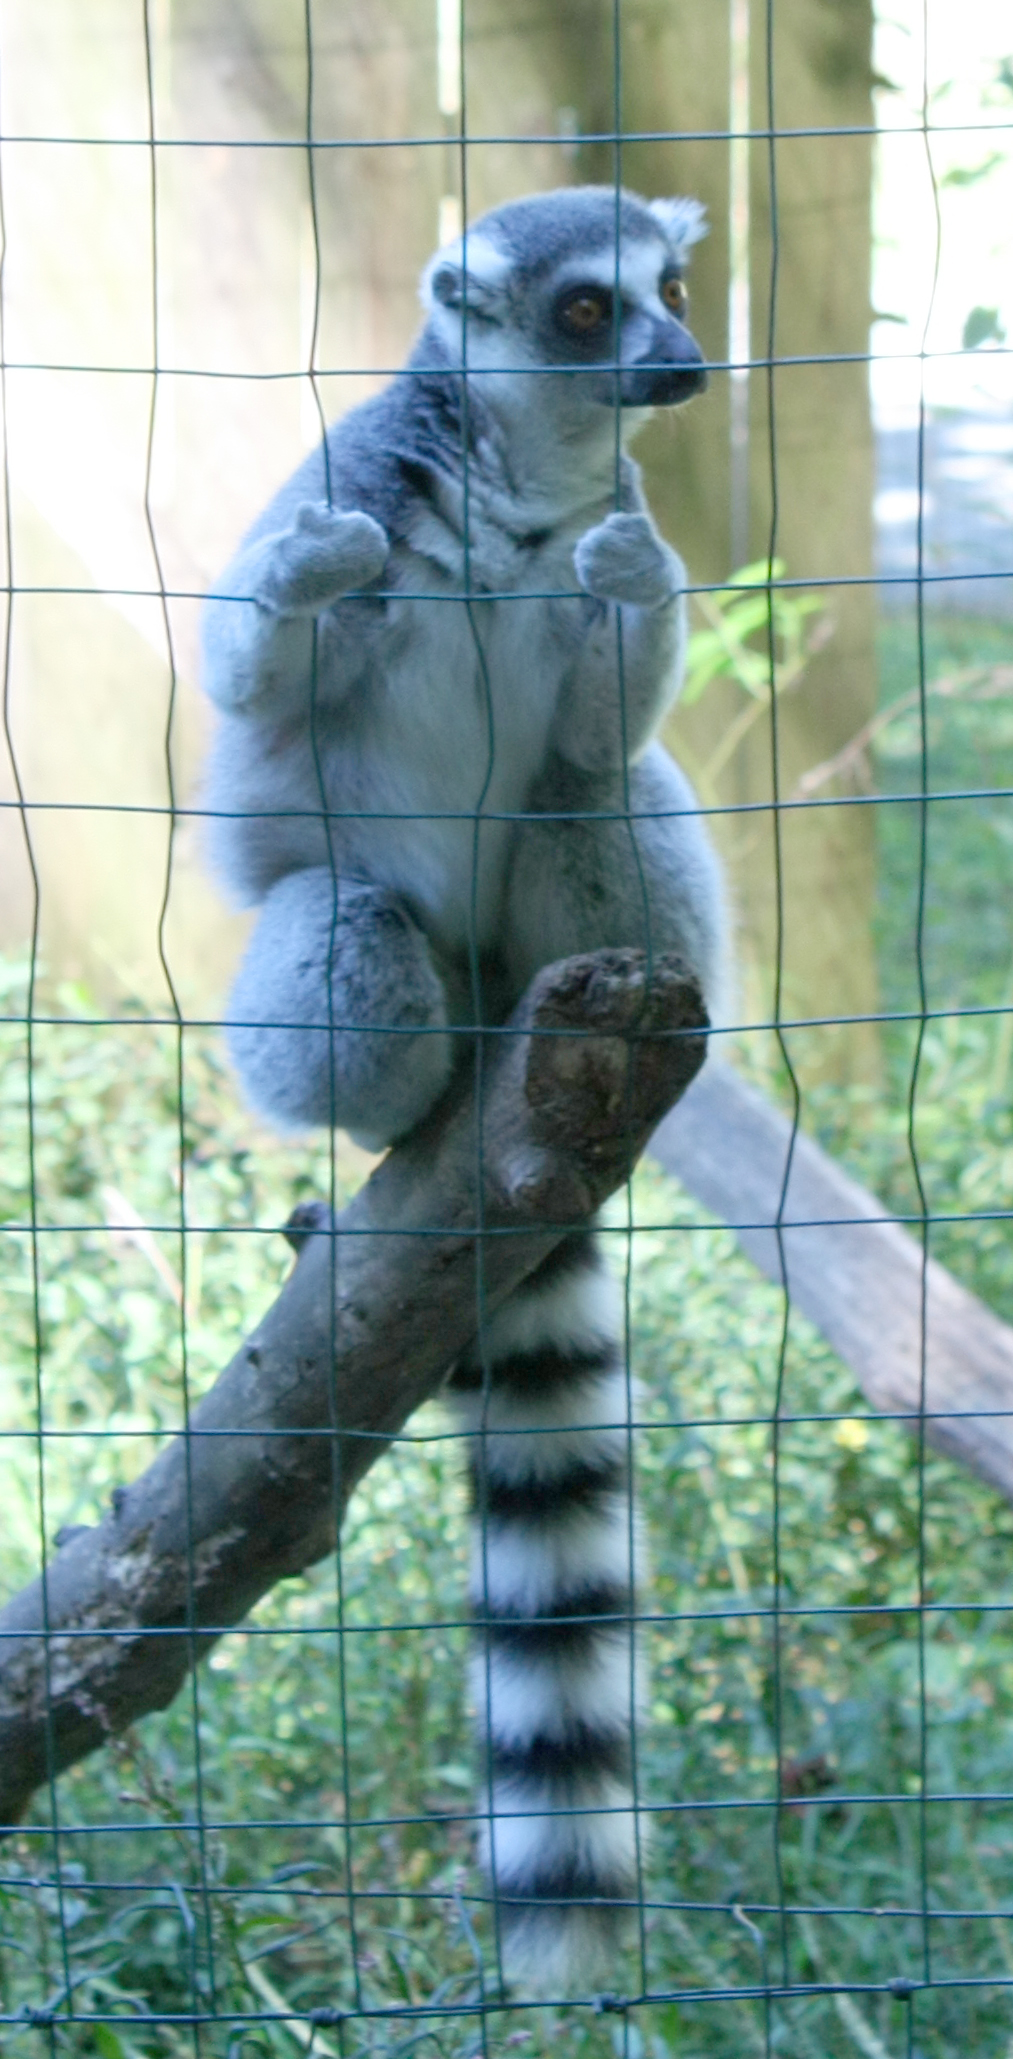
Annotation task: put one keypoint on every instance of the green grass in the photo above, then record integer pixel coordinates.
(326, 1760)
(968, 924)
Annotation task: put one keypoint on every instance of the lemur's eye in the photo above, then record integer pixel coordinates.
(674, 295)
(585, 311)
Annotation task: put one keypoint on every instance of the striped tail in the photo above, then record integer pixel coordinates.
(555, 1682)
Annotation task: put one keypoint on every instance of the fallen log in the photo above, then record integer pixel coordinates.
(556, 1112)
(856, 1274)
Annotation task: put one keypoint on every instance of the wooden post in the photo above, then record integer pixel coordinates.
(817, 276)
(676, 73)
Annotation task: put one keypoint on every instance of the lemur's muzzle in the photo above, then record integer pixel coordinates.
(671, 371)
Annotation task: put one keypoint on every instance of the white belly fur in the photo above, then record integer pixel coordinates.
(447, 739)
(435, 733)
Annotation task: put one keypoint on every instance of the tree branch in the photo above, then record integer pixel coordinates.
(858, 1276)
(556, 1111)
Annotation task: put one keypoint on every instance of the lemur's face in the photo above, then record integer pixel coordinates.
(546, 284)
(624, 325)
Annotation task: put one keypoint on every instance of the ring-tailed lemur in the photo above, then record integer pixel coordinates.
(480, 765)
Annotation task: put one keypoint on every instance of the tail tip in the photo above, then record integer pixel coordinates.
(560, 1954)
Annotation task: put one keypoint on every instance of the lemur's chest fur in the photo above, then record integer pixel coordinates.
(456, 724)
(449, 720)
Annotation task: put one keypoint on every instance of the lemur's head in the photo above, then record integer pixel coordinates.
(582, 281)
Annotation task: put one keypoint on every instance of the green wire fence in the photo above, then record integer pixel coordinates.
(283, 1857)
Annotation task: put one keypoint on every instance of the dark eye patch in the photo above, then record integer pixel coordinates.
(585, 311)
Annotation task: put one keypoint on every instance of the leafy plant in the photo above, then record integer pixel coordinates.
(756, 633)
(982, 326)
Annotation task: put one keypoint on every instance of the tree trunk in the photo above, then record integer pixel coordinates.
(811, 436)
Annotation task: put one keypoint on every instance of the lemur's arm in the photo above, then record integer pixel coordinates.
(258, 629)
(628, 669)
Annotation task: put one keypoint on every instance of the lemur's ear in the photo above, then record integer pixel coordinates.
(468, 273)
(683, 221)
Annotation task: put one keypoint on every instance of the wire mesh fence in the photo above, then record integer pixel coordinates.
(213, 220)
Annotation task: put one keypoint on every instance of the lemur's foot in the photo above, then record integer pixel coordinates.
(624, 559)
(323, 557)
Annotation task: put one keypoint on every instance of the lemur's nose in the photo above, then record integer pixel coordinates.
(673, 366)
(673, 344)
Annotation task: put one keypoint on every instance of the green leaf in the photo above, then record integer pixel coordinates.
(982, 326)
(455, 1776)
(970, 175)
(107, 2043)
(758, 573)
(747, 613)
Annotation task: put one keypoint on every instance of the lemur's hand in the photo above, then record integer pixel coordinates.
(624, 559)
(324, 556)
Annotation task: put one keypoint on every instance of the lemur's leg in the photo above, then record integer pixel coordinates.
(544, 1398)
(373, 1057)
(641, 874)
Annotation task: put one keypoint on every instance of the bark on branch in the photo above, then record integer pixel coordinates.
(377, 1307)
